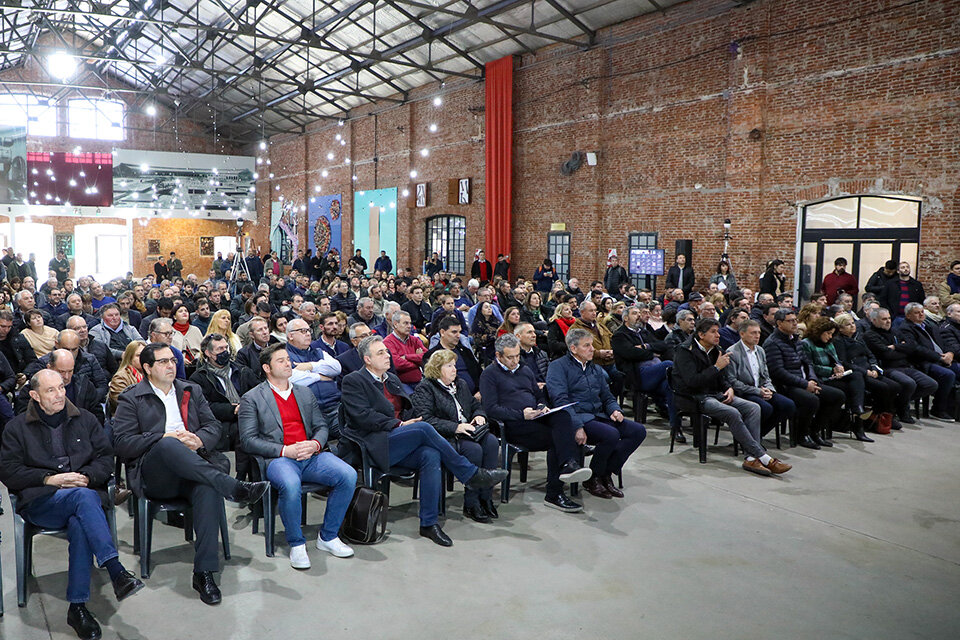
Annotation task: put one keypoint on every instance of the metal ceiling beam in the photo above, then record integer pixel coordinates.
(574, 20)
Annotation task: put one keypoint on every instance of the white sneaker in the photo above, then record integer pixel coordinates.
(335, 547)
(299, 558)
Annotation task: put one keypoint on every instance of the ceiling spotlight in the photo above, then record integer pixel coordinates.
(346, 160)
(339, 137)
(339, 123)
(324, 173)
(424, 152)
(343, 143)
(437, 101)
(263, 144)
(61, 65)
(354, 177)
(433, 128)
(151, 110)
(413, 174)
(144, 168)
(406, 192)
(330, 156)
(317, 188)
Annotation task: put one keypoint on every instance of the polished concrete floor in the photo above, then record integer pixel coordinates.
(861, 541)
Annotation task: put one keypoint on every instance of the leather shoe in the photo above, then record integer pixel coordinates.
(435, 533)
(778, 466)
(588, 450)
(571, 471)
(943, 415)
(490, 509)
(477, 514)
(83, 622)
(755, 466)
(125, 585)
(611, 486)
(808, 442)
(562, 503)
(250, 492)
(204, 584)
(593, 486)
(121, 496)
(895, 424)
(823, 442)
(908, 418)
(484, 478)
(679, 438)
(860, 435)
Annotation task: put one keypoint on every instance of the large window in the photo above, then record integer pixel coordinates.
(99, 119)
(638, 240)
(39, 115)
(102, 250)
(558, 250)
(446, 235)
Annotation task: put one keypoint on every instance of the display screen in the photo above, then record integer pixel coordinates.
(646, 262)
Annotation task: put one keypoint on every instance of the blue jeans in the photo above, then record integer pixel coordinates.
(79, 510)
(418, 446)
(653, 380)
(286, 475)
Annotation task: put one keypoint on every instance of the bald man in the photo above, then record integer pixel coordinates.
(97, 349)
(86, 364)
(80, 391)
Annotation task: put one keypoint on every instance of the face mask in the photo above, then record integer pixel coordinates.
(223, 358)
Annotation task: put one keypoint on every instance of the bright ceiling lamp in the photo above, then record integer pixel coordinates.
(61, 65)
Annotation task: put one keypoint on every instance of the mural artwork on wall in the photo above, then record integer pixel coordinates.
(324, 228)
(65, 243)
(153, 247)
(375, 223)
(206, 246)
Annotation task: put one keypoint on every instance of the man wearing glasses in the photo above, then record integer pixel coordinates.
(315, 368)
(161, 332)
(165, 430)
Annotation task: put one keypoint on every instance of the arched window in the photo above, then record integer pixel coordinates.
(446, 235)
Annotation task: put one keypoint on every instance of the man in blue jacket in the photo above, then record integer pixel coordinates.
(596, 414)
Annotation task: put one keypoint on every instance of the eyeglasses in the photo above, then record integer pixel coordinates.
(164, 333)
(303, 330)
(164, 361)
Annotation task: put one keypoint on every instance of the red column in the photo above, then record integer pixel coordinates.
(499, 156)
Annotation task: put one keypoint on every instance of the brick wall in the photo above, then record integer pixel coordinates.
(852, 96)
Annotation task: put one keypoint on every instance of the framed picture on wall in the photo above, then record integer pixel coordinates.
(65, 244)
(153, 247)
(206, 246)
(463, 193)
(422, 194)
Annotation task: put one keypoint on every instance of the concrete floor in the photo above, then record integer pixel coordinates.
(860, 541)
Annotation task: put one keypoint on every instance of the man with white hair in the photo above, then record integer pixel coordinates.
(317, 369)
(385, 328)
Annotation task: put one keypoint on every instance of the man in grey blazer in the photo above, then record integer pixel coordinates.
(282, 423)
(750, 378)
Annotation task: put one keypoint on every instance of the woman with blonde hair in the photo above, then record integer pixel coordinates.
(807, 313)
(445, 402)
(511, 318)
(560, 323)
(128, 373)
(220, 322)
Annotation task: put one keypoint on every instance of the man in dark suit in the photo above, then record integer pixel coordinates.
(80, 390)
(282, 423)
(86, 365)
(164, 429)
(377, 417)
(328, 341)
(418, 308)
(223, 384)
(75, 308)
(57, 459)
(164, 310)
(925, 352)
(249, 356)
(680, 276)
(94, 347)
(467, 366)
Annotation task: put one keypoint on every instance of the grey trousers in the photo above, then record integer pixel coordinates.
(743, 419)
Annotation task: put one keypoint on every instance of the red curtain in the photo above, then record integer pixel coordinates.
(499, 175)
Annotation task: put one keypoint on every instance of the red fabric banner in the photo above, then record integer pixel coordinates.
(499, 156)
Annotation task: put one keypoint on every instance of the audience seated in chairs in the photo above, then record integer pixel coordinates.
(260, 338)
(698, 373)
(80, 391)
(166, 432)
(445, 401)
(316, 369)
(749, 376)
(576, 378)
(511, 395)
(468, 369)
(282, 423)
(378, 418)
(602, 351)
(818, 406)
(407, 351)
(925, 351)
(57, 459)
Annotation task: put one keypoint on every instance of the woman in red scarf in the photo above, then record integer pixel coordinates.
(186, 337)
(560, 323)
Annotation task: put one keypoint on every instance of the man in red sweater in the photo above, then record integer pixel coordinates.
(407, 351)
(839, 281)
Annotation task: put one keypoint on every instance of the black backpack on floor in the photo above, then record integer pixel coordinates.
(366, 519)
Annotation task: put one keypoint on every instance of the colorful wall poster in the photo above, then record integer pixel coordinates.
(375, 224)
(325, 224)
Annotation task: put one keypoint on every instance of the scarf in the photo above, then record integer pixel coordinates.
(565, 323)
(137, 376)
(182, 328)
(452, 390)
(953, 280)
(223, 373)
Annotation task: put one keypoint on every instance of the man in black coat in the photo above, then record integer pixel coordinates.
(57, 459)
(223, 384)
(925, 350)
(637, 351)
(615, 276)
(164, 310)
(80, 390)
(13, 346)
(75, 308)
(418, 308)
(531, 355)
(900, 291)
(165, 430)
(878, 281)
(481, 269)
(680, 276)
(85, 364)
(818, 406)
(950, 328)
(249, 356)
(376, 416)
(468, 369)
(894, 357)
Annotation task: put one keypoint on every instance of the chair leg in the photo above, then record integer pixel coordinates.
(135, 513)
(146, 534)
(702, 429)
(269, 522)
(508, 465)
(620, 480)
(20, 544)
(224, 531)
(188, 526)
(524, 459)
(776, 430)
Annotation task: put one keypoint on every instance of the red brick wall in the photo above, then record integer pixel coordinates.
(849, 96)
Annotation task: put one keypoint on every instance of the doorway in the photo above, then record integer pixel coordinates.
(866, 230)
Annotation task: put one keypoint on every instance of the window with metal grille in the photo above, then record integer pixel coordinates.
(642, 240)
(37, 114)
(558, 250)
(446, 235)
(98, 119)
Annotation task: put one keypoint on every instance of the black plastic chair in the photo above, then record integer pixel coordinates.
(508, 450)
(270, 502)
(24, 532)
(145, 510)
(686, 405)
(1, 580)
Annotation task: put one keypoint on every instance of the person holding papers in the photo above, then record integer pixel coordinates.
(575, 378)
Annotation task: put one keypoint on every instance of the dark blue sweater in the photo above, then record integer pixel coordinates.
(505, 395)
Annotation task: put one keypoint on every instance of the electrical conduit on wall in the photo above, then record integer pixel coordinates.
(499, 156)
